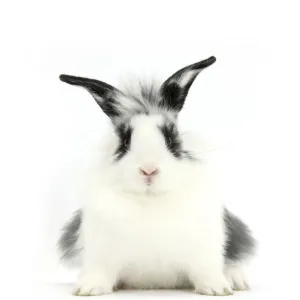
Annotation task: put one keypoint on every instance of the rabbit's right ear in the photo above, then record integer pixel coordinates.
(104, 94)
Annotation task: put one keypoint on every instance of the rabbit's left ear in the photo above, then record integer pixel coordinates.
(175, 89)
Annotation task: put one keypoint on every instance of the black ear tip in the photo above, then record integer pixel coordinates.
(64, 77)
(209, 61)
(203, 63)
(71, 79)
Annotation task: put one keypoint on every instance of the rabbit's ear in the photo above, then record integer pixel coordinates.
(104, 94)
(175, 89)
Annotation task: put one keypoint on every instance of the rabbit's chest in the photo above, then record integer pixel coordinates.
(155, 234)
(155, 251)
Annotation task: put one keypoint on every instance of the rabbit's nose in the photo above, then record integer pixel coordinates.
(148, 171)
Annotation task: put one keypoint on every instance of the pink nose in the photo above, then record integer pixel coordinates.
(149, 171)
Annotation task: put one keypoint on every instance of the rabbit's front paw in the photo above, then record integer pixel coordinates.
(237, 279)
(214, 288)
(92, 285)
(88, 290)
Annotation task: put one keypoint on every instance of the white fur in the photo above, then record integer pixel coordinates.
(127, 103)
(166, 235)
(235, 275)
(186, 77)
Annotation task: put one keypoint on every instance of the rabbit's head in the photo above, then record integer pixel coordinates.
(148, 155)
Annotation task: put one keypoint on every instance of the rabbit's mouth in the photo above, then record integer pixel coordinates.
(148, 181)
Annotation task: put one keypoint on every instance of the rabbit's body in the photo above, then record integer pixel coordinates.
(153, 214)
(156, 240)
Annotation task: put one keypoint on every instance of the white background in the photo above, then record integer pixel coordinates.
(247, 103)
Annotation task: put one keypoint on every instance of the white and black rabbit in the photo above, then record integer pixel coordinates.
(153, 216)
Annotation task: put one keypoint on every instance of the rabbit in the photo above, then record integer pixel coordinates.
(153, 217)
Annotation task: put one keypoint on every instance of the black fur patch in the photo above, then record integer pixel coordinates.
(110, 108)
(172, 140)
(124, 132)
(69, 237)
(240, 242)
(173, 96)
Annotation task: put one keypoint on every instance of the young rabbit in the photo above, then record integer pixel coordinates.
(153, 217)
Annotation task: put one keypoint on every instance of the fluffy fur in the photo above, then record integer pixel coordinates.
(167, 230)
